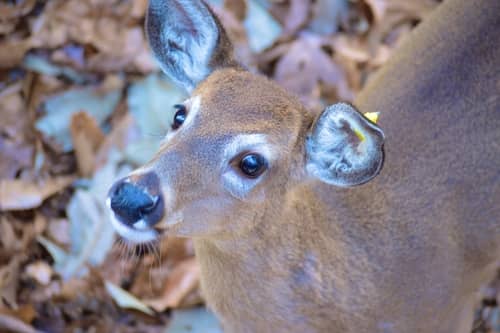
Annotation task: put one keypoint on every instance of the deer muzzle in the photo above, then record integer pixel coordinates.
(137, 201)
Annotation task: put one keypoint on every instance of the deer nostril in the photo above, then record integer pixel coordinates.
(131, 203)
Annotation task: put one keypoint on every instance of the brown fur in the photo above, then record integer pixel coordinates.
(404, 253)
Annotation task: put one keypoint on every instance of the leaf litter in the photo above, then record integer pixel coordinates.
(83, 103)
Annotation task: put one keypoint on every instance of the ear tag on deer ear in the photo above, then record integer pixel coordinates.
(372, 116)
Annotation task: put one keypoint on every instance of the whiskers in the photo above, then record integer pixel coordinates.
(132, 258)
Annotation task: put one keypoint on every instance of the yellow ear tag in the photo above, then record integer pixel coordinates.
(372, 116)
(360, 135)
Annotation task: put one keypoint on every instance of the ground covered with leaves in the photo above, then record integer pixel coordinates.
(82, 103)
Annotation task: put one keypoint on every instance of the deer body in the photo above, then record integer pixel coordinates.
(285, 240)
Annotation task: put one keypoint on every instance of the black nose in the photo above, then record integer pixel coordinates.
(135, 201)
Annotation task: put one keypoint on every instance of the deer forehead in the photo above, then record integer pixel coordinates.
(249, 100)
(245, 110)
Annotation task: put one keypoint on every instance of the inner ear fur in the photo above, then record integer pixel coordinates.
(343, 147)
(188, 40)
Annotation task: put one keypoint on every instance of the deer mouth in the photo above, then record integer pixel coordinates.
(138, 232)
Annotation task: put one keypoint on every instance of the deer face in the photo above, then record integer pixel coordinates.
(238, 145)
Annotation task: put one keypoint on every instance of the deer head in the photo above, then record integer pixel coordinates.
(238, 145)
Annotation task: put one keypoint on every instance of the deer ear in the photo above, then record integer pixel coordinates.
(187, 40)
(343, 147)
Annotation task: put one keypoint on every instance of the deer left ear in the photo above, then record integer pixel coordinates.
(343, 147)
(188, 40)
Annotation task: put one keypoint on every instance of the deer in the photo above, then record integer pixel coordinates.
(328, 222)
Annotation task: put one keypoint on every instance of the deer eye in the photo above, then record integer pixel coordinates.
(253, 165)
(179, 117)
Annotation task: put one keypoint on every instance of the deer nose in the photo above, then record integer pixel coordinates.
(137, 201)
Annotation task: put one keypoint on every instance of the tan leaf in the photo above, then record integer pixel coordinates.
(8, 12)
(25, 312)
(237, 7)
(124, 132)
(87, 136)
(296, 16)
(40, 271)
(378, 8)
(20, 194)
(126, 300)
(8, 239)
(305, 66)
(9, 279)
(184, 278)
(12, 52)
(12, 324)
(360, 51)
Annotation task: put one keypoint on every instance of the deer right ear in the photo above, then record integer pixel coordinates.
(344, 148)
(188, 40)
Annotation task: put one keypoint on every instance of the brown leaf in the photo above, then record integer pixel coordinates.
(124, 132)
(12, 52)
(25, 312)
(59, 231)
(40, 271)
(9, 282)
(20, 194)
(21, 8)
(87, 136)
(238, 36)
(8, 238)
(12, 324)
(304, 66)
(183, 279)
(378, 9)
(359, 50)
(237, 7)
(297, 16)
(115, 42)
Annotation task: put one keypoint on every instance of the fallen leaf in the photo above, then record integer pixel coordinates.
(16, 149)
(378, 8)
(21, 8)
(19, 194)
(26, 313)
(12, 324)
(12, 52)
(326, 15)
(58, 230)
(297, 16)
(237, 7)
(124, 133)
(305, 66)
(41, 65)
(8, 239)
(125, 299)
(360, 51)
(87, 136)
(61, 107)
(57, 253)
(262, 29)
(9, 282)
(197, 320)
(40, 271)
(183, 279)
(151, 102)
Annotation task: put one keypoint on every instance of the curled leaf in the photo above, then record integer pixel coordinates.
(18, 194)
(126, 300)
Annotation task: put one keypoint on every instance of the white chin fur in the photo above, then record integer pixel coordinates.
(133, 235)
